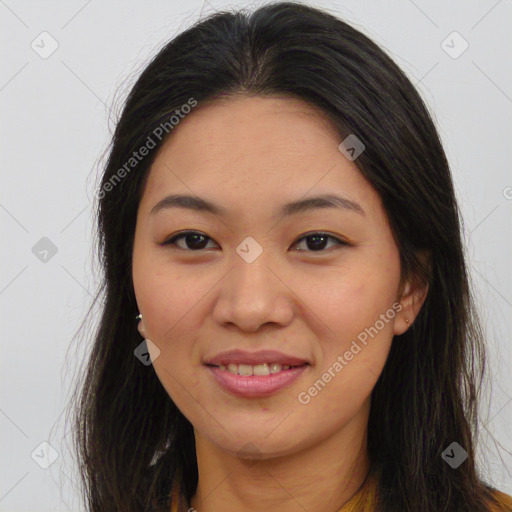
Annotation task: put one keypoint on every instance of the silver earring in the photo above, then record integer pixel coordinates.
(407, 322)
(139, 326)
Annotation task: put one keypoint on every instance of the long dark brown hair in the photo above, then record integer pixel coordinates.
(131, 440)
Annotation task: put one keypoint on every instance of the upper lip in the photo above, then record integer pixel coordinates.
(253, 358)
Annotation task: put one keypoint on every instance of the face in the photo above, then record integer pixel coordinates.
(318, 284)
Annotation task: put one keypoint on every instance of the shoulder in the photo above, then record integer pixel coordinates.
(500, 502)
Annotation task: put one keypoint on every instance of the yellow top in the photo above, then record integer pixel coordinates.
(504, 500)
(365, 500)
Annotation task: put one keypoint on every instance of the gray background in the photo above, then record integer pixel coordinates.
(55, 128)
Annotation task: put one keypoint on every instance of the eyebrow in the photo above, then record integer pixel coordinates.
(199, 204)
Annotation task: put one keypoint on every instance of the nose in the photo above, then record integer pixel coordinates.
(252, 295)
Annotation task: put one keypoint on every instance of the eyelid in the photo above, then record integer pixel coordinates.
(171, 241)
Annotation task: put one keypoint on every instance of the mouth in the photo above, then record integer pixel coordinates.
(243, 381)
(255, 374)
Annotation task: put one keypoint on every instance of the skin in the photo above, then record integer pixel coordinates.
(250, 155)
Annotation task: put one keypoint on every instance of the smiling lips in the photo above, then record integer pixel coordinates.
(253, 374)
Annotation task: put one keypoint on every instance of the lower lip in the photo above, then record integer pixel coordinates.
(256, 385)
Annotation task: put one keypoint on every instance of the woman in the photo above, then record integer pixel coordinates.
(278, 222)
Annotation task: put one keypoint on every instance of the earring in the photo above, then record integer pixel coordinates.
(140, 325)
(407, 322)
(146, 352)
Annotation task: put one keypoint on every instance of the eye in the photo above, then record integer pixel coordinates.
(319, 241)
(196, 241)
(194, 238)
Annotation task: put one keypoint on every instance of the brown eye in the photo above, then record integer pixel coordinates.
(317, 242)
(194, 241)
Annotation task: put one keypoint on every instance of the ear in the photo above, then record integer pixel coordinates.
(412, 295)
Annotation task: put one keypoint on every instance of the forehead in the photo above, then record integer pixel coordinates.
(255, 150)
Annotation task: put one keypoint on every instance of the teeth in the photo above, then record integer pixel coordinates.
(247, 370)
(261, 369)
(275, 368)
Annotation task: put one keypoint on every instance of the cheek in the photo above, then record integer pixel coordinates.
(174, 303)
(357, 309)
(169, 301)
(349, 302)
(166, 296)
(352, 360)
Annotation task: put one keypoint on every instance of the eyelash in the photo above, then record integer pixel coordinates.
(183, 234)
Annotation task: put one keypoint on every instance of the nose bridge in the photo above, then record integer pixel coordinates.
(253, 283)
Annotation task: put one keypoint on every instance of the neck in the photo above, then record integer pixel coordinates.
(322, 477)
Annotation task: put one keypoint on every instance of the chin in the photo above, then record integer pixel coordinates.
(252, 445)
